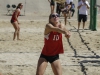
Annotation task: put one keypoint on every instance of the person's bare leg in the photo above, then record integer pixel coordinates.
(15, 25)
(56, 67)
(15, 34)
(52, 9)
(42, 64)
(79, 25)
(83, 25)
(18, 33)
(69, 14)
(65, 18)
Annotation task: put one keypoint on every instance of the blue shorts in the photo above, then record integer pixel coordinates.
(50, 59)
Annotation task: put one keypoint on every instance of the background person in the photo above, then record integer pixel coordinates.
(59, 7)
(53, 46)
(15, 22)
(83, 7)
(52, 5)
(72, 9)
(69, 14)
(66, 11)
(58, 10)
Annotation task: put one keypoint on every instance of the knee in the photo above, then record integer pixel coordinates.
(65, 16)
(16, 30)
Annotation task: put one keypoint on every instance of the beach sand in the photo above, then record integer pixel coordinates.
(81, 52)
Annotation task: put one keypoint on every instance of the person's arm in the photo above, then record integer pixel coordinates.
(67, 35)
(62, 29)
(79, 6)
(87, 5)
(16, 13)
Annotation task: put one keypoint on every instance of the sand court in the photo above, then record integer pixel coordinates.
(81, 52)
(20, 57)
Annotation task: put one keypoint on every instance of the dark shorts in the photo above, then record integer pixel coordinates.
(72, 10)
(53, 4)
(82, 17)
(65, 11)
(50, 59)
(11, 21)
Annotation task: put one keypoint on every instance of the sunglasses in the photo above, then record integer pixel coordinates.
(55, 15)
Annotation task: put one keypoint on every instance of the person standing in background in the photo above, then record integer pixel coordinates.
(83, 7)
(68, 2)
(52, 5)
(58, 10)
(66, 11)
(59, 7)
(14, 21)
(72, 9)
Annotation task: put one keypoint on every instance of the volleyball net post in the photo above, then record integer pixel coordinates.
(93, 15)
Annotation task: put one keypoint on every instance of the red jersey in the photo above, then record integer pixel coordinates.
(53, 44)
(13, 16)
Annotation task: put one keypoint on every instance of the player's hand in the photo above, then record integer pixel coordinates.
(85, 3)
(67, 34)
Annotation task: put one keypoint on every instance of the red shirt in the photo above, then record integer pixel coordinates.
(53, 44)
(13, 16)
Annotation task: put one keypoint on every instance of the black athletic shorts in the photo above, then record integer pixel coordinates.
(52, 3)
(82, 17)
(11, 21)
(50, 59)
